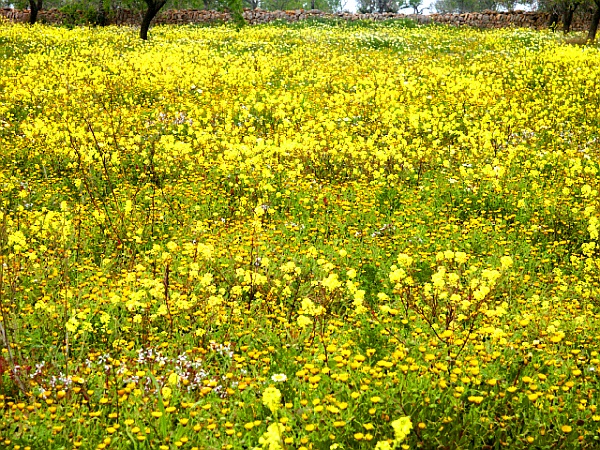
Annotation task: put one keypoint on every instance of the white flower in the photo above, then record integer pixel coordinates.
(279, 377)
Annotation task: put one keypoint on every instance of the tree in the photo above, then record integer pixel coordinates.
(466, 6)
(553, 21)
(563, 10)
(414, 4)
(508, 5)
(274, 5)
(34, 8)
(153, 7)
(252, 4)
(594, 23)
(322, 5)
(378, 6)
(569, 8)
(102, 14)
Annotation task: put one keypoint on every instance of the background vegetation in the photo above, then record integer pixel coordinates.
(98, 12)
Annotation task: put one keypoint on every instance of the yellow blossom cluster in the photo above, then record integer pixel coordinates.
(308, 236)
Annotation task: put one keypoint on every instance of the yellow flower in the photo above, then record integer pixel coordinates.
(383, 445)
(460, 257)
(271, 439)
(506, 262)
(72, 325)
(17, 240)
(331, 282)
(173, 379)
(310, 308)
(402, 427)
(397, 274)
(166, 392)
(477, 399)
(304, 321)
(271, 398)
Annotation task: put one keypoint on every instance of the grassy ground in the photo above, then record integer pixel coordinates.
(312, 237)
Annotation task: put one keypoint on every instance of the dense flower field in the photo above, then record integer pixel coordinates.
(298, 237)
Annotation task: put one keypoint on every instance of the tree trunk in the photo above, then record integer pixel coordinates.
(102, 18)
(34, 8)
(568, 18)
(553, 22)
(594, 24)
(153, 9)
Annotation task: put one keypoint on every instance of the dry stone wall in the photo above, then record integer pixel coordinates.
(486, 19)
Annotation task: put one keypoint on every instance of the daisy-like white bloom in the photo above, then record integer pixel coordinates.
(279, 377)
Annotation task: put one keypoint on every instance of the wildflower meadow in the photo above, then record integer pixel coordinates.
(308, 236)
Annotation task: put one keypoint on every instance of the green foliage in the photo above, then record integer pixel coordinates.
(79, 13)
(236, 8)
(465, 6)
(379, 6)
